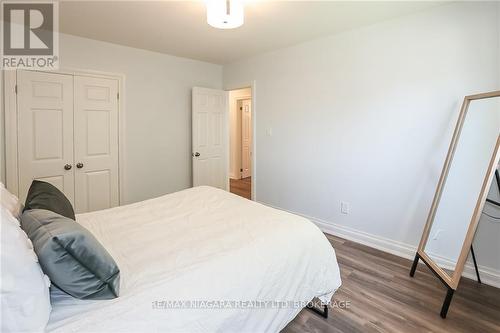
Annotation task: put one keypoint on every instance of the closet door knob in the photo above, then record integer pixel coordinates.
(67, 167)
(79, 165)
(196, 154)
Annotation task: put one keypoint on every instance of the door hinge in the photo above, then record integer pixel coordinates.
(241, 170)
(241, 108)
(117, 95)
(15, 89)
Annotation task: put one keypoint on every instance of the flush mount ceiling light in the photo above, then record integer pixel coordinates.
(225, 14)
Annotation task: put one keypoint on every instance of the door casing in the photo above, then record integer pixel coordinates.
(253, 85)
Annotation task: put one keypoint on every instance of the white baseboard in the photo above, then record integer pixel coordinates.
(488, 275)
(380, 243)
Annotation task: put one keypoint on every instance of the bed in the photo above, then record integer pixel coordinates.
(202, 260)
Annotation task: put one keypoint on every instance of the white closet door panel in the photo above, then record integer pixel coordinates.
(96, 143)
(45, 130)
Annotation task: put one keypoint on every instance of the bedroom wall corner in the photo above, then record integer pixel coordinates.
(157, 111)
(369, 117)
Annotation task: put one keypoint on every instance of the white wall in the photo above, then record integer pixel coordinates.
(158, 110)
(366, 117)
(235, 130)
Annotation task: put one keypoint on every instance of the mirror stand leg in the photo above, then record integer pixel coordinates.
(475, 264)
(323, 312)
(446, 303)
(414, 266)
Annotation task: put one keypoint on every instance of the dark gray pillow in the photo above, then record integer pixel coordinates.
(43, 195)
(71, 256)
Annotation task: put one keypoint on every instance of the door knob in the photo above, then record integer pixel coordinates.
(196, 154)
(79, 165)
(67, 167)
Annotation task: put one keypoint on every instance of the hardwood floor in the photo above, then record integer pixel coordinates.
(384, 298)
(241, 187)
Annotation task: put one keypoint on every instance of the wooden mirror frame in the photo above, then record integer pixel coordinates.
(452, 281)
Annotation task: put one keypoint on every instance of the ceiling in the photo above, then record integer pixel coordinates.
(179, 27)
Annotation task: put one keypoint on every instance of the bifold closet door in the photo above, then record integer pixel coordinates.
(96, 143)
(45, 131)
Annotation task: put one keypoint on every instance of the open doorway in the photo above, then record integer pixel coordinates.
(240, 142)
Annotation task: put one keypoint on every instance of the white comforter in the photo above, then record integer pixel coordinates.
(203, 244)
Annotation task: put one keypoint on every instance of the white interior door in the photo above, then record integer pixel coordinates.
(96, 143)
(246, 138)
(45, 131)
(210, 138)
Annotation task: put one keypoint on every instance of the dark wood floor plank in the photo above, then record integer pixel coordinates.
(384, 298)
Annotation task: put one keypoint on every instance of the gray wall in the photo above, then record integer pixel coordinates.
(366, 117)
(158, 110)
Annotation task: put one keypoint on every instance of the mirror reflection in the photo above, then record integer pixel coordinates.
(463, 184)
(492, 207)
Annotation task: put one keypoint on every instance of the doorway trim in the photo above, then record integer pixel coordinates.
(10, 107)
(253, 85)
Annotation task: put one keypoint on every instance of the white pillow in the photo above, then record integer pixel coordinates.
(24, 288)
(10, 202)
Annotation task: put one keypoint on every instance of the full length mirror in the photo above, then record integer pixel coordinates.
(469, 167)
(461, 192)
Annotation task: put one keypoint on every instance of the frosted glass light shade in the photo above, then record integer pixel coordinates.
(225, 14)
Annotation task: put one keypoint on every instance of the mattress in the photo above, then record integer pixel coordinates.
(202, 260)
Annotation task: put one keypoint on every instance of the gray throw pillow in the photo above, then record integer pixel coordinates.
(71, 256)
(43, 195)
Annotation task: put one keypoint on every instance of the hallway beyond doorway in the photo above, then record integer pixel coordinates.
(241, 187)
